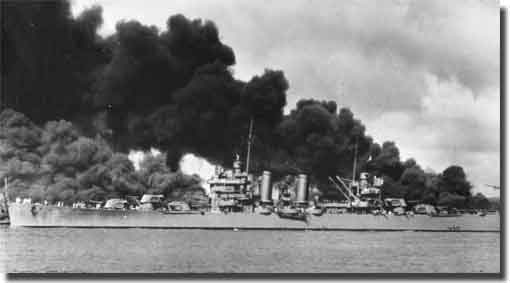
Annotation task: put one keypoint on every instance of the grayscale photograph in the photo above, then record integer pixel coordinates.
(290, 138)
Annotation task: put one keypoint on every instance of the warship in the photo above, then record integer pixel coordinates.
(238, 202)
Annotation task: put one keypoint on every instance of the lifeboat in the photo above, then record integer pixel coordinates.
(291, 213)
(317, 211)
(263, 210)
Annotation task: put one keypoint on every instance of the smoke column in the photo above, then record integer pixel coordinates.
(144, 88)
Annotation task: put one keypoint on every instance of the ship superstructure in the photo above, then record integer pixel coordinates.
(364, 195)
(230, 190)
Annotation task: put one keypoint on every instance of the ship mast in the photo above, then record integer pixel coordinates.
(250, 136)
(5, 196)
(354, 165)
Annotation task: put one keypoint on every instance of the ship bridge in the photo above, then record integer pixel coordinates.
(230, 189)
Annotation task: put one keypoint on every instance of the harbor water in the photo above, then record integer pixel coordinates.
(205, 251)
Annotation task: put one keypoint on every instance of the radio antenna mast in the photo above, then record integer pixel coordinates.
(250, 136)
(355, 161)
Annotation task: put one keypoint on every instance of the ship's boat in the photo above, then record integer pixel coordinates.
(264, 210)
(293, 216)
(291, 213)
(336, 207)
(317, 211)
(425, 209)
(151, 198)
(399, 211)
(180, 207)
(116, 204)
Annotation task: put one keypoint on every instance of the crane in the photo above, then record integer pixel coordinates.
(493, 186)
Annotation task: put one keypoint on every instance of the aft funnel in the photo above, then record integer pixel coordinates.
(302, 189)
(265, 187)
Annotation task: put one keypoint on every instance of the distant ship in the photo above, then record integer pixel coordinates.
(4, 212)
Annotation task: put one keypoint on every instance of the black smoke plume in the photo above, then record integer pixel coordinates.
(55, 163)
(49, 58)
(172, 89)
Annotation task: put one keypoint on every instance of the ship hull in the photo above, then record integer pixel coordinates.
(23, 215)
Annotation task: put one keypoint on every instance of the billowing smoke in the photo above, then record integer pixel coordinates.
(56, 163)
(50, 60)
(152, 71)
(173, 90)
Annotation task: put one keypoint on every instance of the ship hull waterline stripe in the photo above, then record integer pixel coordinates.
(258, 228)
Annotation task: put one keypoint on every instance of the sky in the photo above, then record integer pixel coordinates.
(424, 74)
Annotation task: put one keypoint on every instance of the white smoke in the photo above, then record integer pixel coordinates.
(191, 164)
(136, 156)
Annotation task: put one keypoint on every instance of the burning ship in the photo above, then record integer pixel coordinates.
(239, 202)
